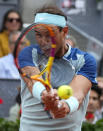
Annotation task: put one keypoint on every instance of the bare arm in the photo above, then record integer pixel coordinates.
(80, 86)
(30, 71)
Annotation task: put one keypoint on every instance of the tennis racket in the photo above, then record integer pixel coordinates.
(30, 31)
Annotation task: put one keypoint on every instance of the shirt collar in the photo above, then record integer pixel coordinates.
(68, 52)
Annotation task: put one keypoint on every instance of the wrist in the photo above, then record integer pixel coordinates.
(68, 108)
(37, 90)
(73, 104)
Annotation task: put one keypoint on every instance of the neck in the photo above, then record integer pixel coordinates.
(7, 32)
(62, 51)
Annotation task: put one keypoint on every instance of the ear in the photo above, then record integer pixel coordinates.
(65, 30)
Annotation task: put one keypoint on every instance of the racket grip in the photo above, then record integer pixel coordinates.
(59, 105)
(48, 88)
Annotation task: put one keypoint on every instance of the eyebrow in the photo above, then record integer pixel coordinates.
(36, 31)
(46, 31)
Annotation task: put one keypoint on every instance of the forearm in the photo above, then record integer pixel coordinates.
(80, 85)
(29, 71)
(80, 96)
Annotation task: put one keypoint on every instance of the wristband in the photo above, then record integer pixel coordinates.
(37, 89)
(73, 104)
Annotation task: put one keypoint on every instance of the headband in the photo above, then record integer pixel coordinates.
(46, 18)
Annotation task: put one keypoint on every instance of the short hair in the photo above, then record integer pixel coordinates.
(97, 90)
(52, 9)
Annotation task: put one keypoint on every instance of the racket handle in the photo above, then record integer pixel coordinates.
(59, 105)
(48, 88)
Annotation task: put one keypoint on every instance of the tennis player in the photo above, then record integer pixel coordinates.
(40, 110)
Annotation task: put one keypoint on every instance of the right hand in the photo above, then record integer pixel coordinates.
(50, 99)
(58, 108)
(60, 112)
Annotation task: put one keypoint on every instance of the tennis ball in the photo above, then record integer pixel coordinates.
(64, 91)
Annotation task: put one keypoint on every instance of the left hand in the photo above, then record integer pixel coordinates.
(58, 108)
(49, 99)
(61, 111)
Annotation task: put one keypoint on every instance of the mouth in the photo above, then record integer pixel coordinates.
(46, 49)
(46, 52)
(90, 107)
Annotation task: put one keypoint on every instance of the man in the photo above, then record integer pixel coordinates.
(93, 108)
(68, 116)
(8, 69)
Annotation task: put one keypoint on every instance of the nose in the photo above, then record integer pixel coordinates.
(45, 40)
(91, 101)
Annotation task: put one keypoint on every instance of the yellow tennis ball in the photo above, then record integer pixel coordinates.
(65, 91)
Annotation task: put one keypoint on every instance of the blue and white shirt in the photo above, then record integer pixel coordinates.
(73, 62)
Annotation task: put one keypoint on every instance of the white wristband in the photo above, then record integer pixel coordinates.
(73, 104)
(37, 89)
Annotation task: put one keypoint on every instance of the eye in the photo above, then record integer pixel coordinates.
(95, 98)
(48, 36)
(38, 34)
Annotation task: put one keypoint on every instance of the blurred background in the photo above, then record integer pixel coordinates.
(85, 20)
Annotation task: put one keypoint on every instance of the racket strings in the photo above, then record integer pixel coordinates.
(48, 67)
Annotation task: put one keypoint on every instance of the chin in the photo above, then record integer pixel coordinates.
(90, 110)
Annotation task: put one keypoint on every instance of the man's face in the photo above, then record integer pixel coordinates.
(93, 102)
(44, 40)
(101, 99)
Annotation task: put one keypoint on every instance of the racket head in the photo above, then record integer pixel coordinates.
(44, 36)
(29, 32)
(32, 33)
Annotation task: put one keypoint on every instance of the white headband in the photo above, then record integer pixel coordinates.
(46, 18)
